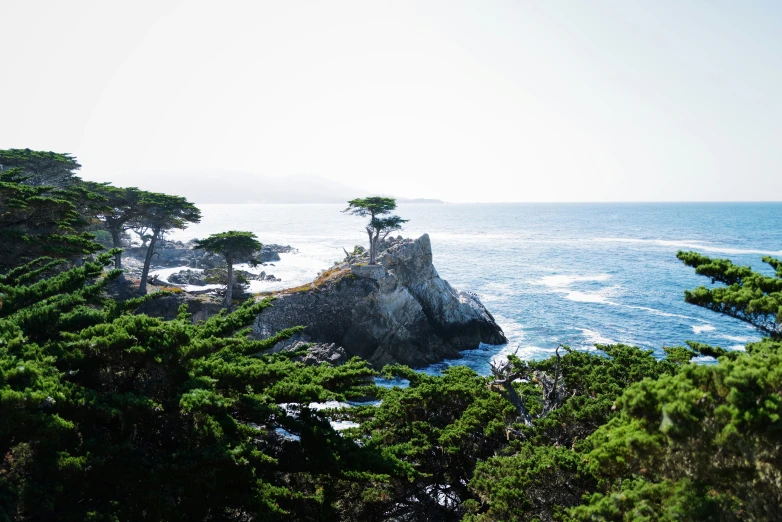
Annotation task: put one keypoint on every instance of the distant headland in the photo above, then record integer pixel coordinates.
(218, 186)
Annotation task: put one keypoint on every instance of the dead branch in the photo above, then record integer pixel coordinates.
(504, 377)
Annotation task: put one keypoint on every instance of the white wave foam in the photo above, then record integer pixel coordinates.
(655, 311)
(513, 330)
(561, 283)
(740, 338)
(586, 297)
(593, 337)
(699, 329)
(738, 348)
(692, 244)
(525, 352)
(165, 273)
(563, 280)
(343, 425)
(328, 405)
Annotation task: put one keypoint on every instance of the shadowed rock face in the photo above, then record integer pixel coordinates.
(400, 312)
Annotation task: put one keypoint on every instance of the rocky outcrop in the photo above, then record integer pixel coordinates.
(400, 311)
(167, 307)
(188, 277)
(169, 254)
(316, 353)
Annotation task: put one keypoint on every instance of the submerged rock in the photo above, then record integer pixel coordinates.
(399, 311)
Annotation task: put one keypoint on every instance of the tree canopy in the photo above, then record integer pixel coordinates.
(380, 222)
(37, 221)
(123, 209)
(749, 296)
(160, 213)
(107, 415)
(41, 168)
(232, 245)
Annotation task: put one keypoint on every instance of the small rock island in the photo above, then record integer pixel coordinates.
(396, 311)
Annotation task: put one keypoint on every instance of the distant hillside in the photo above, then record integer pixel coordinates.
(225, 186)
(219, 186)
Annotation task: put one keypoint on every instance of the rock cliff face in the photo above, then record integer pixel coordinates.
(398, 311)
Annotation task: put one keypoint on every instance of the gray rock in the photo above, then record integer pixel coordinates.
(399, 312)
(459, 317)
(175, 253)
(317, 353)
(187, 277)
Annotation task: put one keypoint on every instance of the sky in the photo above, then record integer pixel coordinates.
(463, 101)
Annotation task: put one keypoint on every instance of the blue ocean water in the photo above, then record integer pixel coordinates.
(577, 274)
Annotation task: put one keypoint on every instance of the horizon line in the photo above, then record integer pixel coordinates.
(443, 202)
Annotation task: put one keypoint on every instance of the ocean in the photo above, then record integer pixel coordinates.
(576, 274)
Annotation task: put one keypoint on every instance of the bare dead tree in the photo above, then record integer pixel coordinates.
(553, 389)
(350, 258)
(505, 373)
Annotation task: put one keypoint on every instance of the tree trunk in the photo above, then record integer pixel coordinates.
(371, 246)
(117, 242)
(142, 287)
(230, 289)
(376, 242)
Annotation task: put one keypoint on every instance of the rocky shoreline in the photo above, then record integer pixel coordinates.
(397, 311)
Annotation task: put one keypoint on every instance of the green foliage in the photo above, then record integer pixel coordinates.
(48, 169)
(380, 222)
(123, 208)
(718, 426)
(372, 206)
(749, 296)
(233, 246)
(162, 212)
(39, 221)
(541, 472)
(439, 427)
(159, 213)
(532, 484)
(702, 443)
(110, 415)
(639, 500)
(105, 415)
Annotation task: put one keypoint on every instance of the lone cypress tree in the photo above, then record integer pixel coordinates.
(232, 245)
(377, 209)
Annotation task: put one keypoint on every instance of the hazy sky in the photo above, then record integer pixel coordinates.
(463, 101)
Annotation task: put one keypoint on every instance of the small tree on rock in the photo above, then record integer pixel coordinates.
(233, 246)
(380, 222)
